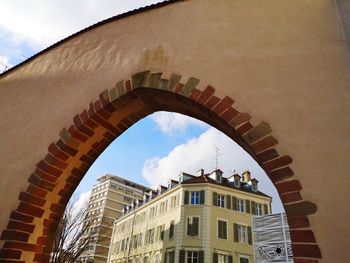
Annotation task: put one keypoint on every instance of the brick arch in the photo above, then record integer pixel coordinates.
(32, 226)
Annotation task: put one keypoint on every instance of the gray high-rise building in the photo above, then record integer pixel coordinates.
(108, 198)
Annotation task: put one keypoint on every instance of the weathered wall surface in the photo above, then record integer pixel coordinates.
(284, 62)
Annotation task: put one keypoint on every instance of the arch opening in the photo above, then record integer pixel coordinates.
(32, 226)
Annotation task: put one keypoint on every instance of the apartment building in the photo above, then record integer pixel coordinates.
(108, 198)
(200, 218)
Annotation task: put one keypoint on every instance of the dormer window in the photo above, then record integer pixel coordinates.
(254, 185)
(150, 195)
(216, 175)
(237, 182)
(181, 178)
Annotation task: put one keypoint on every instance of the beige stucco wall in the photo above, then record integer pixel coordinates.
(284, 62)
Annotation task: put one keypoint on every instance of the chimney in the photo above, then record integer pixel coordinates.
(200, 172)
(254, 184)
(246, 177)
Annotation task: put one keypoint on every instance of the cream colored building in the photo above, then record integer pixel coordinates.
(108, 198)
(201, 218)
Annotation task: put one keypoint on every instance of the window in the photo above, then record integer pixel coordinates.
(243, 260)
(122, 246)
(162, 207)
(170, 257)
(192, 226)
(157, 258)
(160, 232)
(222, 229)
(194, 198)
(222, 258)
(149, 237)
(145, 259)
(153, 212)
(259, 209)
(240, 205)
(139, 240)
(192, 257)
(220, 200)
(173, 201)
(242, 234)
(171, 229)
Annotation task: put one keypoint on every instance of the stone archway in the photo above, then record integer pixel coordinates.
(284, 62)
(31, 227)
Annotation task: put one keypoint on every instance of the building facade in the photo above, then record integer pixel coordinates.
(108, 198)
(272, 239)
(202, 218)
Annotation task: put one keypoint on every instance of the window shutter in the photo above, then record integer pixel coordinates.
(186, 197)
(171, 230)
(182, 256)
(249, 235)
(235, 232)
(247, 206)
(157, 234)
(230, 259)
(234, 203)
(265, 209)
(215, 257)
(189, 227)
(228, 201)
(215, 198)
(201, 257)
(224, 227)
(202, 197)
(253, 208)
(195, 226)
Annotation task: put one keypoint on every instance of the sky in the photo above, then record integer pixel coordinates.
(154, 149)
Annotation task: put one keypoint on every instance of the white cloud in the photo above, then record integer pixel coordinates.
(80, 203)
(199, 153)
(4, 64)
(170, 122)
(44, 22)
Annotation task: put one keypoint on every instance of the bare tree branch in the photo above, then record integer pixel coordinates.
(73, 236)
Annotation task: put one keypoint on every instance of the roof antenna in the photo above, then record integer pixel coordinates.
(217, 154)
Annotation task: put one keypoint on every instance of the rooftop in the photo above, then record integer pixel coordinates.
(237, 182)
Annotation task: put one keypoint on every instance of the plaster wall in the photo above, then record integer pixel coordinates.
(284, 62)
